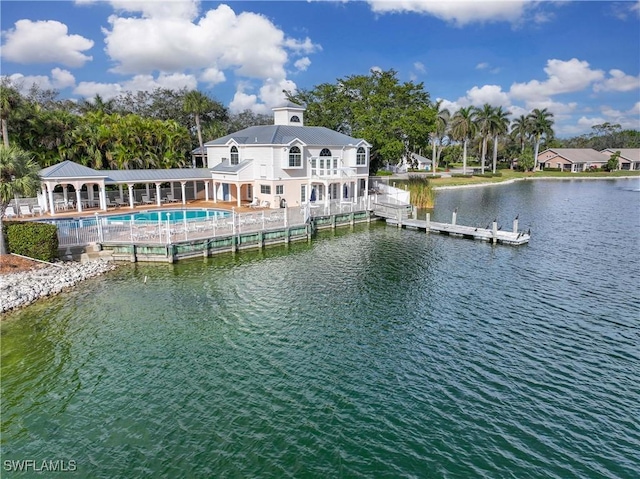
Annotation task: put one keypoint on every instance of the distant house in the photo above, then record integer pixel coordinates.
(421, 162)
(288, 163)
(572, 159)
(629, 157)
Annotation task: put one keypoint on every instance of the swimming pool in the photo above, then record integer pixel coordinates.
(172, 215)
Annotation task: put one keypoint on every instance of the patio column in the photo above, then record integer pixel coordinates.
(158, 193)
(215, 191)
(65, 193)
(183, 186)
(103, 197)
(206, 190)
(79, 199)
(195, 190)
(131, 198)
(121, 192)
(238, 194)
(146, 186)
(52, 208)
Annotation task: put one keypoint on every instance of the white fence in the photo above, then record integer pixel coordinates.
(103, 229)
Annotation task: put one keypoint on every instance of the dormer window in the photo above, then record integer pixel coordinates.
(295, 119)
(361, 157)
(235, 158)
(295, 157)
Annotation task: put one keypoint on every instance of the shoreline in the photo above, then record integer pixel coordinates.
(513, 180)
(26, 287)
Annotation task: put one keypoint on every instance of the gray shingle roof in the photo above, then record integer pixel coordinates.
(69, 169)
(284, 134)
(171, 174)
(226, 167)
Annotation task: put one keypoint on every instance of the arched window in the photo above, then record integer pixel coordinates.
(325, 152)
(295, 157)
(361, 157)
(295, 119)
(235, 158)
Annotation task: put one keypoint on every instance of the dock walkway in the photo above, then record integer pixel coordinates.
(493, 235)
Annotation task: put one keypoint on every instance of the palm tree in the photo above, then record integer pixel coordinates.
(442, 121)
(540, 123)
(18, 176)
(483, 120)
(9, 100)
(520, 130)
(198, 103)
(463, 128)
(499, 126)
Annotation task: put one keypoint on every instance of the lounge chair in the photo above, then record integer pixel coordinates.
(169, 198)
(25, 210)
(255, 203)
(121, 202)
(9, 212)
(264, 204)
(146, 200)
(111, 203)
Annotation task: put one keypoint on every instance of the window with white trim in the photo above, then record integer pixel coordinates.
(295, 119)
(303, 194)
(235, 158)
(265, 189)
(279, 189)
(361, 157)
(295, 157)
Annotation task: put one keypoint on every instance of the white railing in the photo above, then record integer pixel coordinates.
(79, 232)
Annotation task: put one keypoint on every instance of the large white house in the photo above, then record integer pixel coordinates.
(288, 163)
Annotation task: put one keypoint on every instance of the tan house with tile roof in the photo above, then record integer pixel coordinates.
(572, 159)
(629, 157)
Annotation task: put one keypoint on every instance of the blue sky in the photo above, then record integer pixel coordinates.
(581, 60)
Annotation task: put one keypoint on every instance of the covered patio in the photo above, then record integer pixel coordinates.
(70, 187)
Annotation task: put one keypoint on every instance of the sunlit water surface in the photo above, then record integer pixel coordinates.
(372, 352)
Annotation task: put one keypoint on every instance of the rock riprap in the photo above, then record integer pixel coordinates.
(20, 289)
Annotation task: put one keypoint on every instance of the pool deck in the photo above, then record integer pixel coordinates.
(91, 212)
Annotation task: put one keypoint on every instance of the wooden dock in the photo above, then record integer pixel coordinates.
(493, 235)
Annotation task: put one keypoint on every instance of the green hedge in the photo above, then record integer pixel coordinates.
(35, 240)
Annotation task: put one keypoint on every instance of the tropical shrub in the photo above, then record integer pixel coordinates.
(35, 240)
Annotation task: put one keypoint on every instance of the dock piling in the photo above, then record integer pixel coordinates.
(494, 232)
(515, 225)
(454, 216)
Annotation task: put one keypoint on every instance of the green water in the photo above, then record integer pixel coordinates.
(372, 352)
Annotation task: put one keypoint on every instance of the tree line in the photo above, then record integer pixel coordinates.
(160, 128)
(156, 129)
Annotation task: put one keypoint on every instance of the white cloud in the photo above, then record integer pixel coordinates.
(419, 67)
(482, 66)
(62, 78)
(302, 64)
(59, 80)
(44, 42)
(491, 94)
(212, 76)
(619, 81)
(248, 43)
(184, 9)
(563, 77)
(459, 12)
(174, 81)
(91, 89)
(270, 95)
